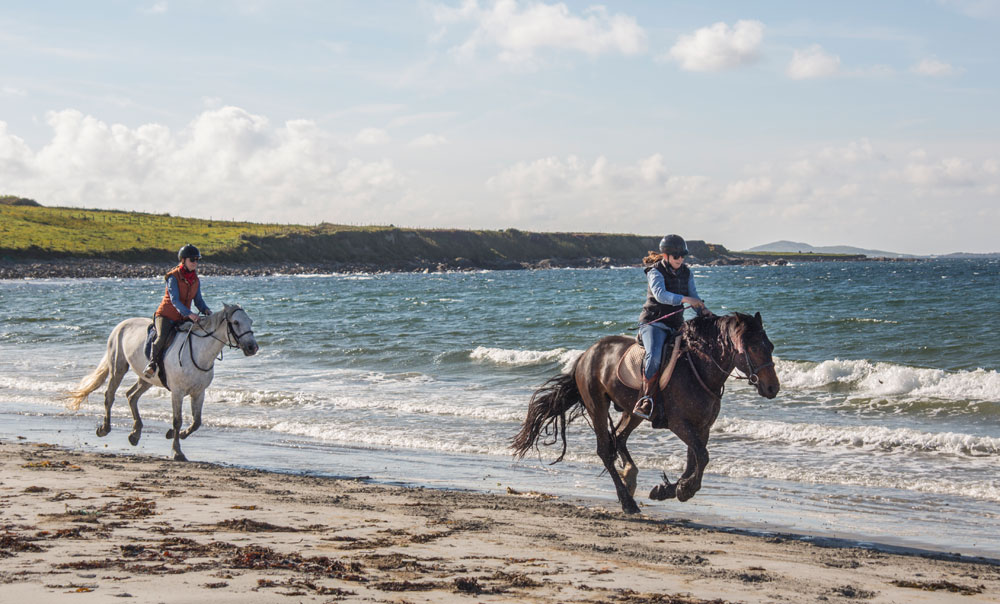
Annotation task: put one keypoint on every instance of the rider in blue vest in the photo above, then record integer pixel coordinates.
(669, 286)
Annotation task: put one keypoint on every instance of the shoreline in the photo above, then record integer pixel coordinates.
(161, 531)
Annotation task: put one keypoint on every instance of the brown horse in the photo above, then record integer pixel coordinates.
(712, 347)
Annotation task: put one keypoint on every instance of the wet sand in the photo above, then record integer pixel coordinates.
(88, 527)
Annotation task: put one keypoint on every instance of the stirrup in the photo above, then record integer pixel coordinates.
(638, 403)
(150, 371)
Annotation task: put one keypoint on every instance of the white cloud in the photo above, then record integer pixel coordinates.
(429, 140)
(944, 172)
(933, 67)
(225, 163)
(157, 8)
(372, 136)
(10, 91)
(813, 62)
(521, 30)
(719, 46)
(751, 189)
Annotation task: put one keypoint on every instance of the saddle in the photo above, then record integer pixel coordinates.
(148, 346)
(630, 366)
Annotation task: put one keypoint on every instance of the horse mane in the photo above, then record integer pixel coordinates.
(212, 322)
(714, 334)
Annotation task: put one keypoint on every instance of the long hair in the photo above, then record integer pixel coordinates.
(652, 258)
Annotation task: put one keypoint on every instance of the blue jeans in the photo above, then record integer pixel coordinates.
(654, 336)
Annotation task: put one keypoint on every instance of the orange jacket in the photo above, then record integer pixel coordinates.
(187, 290)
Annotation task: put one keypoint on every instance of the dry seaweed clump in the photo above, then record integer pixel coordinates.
(12, 544)
(965, 590)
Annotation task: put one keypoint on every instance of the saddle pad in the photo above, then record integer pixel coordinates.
(150, 336)
(630, 366)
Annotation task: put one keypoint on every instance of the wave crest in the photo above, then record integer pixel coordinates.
(889, 379)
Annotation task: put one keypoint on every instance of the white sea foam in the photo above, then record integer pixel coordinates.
(889, 379)
(503, 356)
(875, 438)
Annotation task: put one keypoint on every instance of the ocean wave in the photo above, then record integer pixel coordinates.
(863, 377)
(521, 358)
(876, 438)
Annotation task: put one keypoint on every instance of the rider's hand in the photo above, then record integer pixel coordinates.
(193, 317)
(208, 312)
(693, 302)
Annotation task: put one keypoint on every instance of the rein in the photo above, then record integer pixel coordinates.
(752, 376)
(230, 336)
(666, 316)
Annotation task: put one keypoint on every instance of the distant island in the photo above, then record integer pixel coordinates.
(41, 241)
(786, 247)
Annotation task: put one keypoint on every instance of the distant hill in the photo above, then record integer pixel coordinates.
(789, 247)
(968, 255)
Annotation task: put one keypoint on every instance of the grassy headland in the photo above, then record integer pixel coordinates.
(30, 232)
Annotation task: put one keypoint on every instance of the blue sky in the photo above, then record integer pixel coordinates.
(872, 124)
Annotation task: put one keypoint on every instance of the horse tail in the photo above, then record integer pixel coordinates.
(547, 414)
(89, 384)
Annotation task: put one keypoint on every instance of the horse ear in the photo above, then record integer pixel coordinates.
(758, 319)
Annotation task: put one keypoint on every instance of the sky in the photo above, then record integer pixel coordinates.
(874, 124)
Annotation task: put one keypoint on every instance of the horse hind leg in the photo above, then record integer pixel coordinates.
(597, 406)
(630, 471)
(132, 396)
(119, 367)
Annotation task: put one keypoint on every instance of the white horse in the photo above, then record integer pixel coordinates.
(189, 364)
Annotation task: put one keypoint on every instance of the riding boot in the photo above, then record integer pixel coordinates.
(150, 369)
(644, 406)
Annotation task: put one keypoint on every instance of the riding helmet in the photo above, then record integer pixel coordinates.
(674, 245)
(190, 251)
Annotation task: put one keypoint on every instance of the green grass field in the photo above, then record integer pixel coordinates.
(28, 230)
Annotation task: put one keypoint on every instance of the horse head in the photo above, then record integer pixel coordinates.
(239, 329)
(753, 353)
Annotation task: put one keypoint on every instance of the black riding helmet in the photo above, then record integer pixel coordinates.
(190, 251)
(674, 245)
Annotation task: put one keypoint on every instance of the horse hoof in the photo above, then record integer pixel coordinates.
(630, 507)
(134, 438)
(170, 433)
(103, 430)
(663, 491)
(179, 457)
(684, 493)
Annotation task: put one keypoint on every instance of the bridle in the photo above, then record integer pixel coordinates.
(752, 377)
(231, 335)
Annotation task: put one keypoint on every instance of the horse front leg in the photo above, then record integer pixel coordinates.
(690, 482)
(177, 400)
(132, 396)
(197, 401)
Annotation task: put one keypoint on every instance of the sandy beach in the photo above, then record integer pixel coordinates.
(100, 528)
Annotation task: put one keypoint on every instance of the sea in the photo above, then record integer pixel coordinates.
(886, 430)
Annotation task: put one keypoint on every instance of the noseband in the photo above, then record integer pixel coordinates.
(752, 378)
